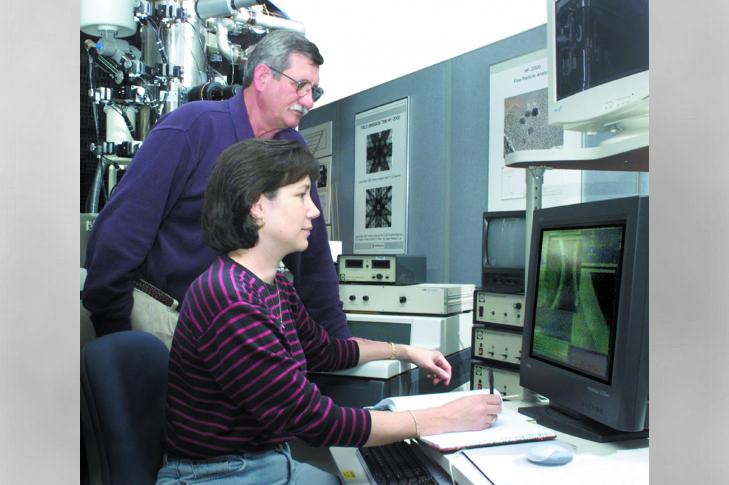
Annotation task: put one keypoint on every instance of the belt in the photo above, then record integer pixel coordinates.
(159, 295)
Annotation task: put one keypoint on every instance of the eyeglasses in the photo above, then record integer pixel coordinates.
(303, 87)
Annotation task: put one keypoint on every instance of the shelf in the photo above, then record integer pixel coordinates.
(631, 156)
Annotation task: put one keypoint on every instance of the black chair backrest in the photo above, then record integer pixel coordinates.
(123, 392)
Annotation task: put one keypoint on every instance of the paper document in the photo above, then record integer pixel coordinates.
(510, 427)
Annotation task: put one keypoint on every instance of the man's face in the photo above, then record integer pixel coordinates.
(285, 106)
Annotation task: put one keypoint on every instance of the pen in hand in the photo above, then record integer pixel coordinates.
(491, 380)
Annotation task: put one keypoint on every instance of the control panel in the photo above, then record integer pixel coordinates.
(502, 346)
(425, 298)
(499, 308)
(381, 269)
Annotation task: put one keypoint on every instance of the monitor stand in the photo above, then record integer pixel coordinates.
(560, 419)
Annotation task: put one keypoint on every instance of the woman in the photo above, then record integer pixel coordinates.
(238, 388)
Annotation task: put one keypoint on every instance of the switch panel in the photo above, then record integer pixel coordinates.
(502, 346)
(499, 308)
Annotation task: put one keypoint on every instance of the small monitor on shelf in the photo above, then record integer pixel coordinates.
(585, 339)
(503, 251)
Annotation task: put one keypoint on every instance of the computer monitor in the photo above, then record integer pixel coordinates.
(503, 250)
(598, 65)
(585, 340)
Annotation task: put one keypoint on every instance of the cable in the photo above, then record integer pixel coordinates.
(161, 106)
(97, 128)
(125, 117)
(97, 186)
(160, 45)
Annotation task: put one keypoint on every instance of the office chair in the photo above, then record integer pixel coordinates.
(123, 389)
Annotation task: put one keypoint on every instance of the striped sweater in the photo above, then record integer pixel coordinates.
(238, 364)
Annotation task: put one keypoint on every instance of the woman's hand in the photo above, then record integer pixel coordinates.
(473, 412)
(432, 362)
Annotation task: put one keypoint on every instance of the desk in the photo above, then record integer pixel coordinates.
(594, 463)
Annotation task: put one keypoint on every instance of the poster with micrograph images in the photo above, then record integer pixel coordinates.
(380, 179)
(518, 120)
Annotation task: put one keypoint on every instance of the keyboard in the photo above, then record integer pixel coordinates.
(400, 463)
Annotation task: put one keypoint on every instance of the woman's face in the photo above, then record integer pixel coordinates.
(287, 217)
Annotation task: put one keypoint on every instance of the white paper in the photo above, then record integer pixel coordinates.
(510, 427)
(422, 401)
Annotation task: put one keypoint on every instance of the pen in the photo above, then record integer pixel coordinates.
(491, 380)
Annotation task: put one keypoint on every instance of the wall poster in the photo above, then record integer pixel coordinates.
(381, 179)
(319, 140)
(518, 120)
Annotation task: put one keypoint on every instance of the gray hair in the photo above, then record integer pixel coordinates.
(274, 50)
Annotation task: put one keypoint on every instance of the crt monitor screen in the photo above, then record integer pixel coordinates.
(598, 42)
(504, 251)
(577, 298)
(585, 340)
(504, 239)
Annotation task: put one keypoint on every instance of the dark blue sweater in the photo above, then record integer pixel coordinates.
(150, 227)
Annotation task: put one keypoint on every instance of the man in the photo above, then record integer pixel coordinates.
(149, 231)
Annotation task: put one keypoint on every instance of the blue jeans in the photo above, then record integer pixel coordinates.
(267, 467)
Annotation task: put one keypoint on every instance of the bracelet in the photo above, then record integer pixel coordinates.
(393, 351)
(417, 427)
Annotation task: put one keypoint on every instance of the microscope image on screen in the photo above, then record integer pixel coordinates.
(577, 297)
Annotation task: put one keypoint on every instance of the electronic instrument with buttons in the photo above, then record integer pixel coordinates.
(498, 308)
(422, 299)
(381, 269)
(496, 345)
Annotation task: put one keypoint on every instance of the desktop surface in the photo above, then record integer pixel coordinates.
(620, 463)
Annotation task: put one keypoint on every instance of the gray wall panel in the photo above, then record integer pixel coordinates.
(471, 147)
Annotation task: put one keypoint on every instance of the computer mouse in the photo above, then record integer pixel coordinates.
(551, 453)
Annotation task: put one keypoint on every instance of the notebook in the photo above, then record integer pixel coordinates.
(510, 427)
